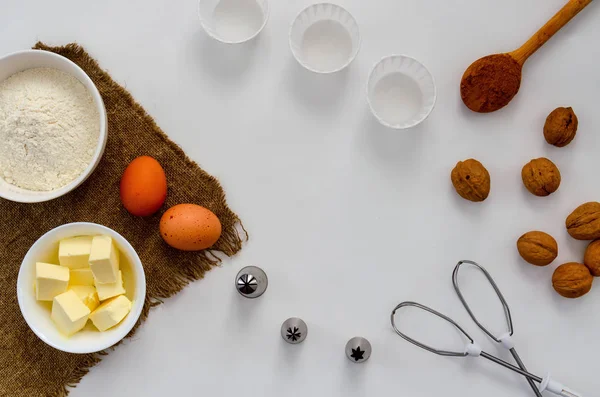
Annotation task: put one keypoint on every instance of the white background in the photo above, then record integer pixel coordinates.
(346, 217)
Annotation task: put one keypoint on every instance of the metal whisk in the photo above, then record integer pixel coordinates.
(473, 349)
(506, 339)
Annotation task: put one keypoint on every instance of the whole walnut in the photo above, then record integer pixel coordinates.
(537, 248)
(584, 222)
(561, 127)
(592, 258)
(541, 177)
(471, 180)
(572, 280)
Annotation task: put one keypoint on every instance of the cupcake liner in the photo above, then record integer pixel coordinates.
(401, 92)
(324, 38)
(233, 21)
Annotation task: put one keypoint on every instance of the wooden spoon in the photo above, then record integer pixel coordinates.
(492, 81)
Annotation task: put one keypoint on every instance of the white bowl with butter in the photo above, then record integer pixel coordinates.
(37, 313)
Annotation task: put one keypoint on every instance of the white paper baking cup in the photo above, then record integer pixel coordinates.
(401, 92)
(233, 21)
(324, 38)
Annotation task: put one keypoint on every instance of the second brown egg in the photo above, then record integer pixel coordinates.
(190, 227)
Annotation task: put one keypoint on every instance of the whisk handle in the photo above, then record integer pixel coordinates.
(557, 388)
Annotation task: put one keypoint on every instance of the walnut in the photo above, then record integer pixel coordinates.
(572, 280)
(584, 222)
(560, 127)
(592, 258)
(537, 248)
(471, 180)
(541, 177)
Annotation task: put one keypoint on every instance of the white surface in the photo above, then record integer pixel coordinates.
(37, 314)
(349, 218)
(401, 92)
(22, 60)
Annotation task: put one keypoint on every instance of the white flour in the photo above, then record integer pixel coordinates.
(49, 129)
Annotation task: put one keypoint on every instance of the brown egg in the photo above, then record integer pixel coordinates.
(190, 227)
(143, 186)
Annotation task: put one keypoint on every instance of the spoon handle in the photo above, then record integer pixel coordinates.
(555, 23)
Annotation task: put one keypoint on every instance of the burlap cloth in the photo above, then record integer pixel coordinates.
(29, 367)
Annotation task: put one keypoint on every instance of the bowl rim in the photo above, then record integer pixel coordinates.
(39, 197)
(397, 126)
(212, 34)
(140, 290)
(304, 64)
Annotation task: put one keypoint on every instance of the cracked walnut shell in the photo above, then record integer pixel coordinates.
(592, 258)
(537, 248)
(572, 280)
(541, 177)
(584, 222)
(560, 127)
(471, 180)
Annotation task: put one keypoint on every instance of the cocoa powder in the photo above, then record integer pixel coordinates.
(490, 83)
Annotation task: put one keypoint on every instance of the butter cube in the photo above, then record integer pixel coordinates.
(104, 260)
(111, 312)
(82, 277)
(50, 280)
(87, 294)
(74, 252)
(106, 291)
(69, 313)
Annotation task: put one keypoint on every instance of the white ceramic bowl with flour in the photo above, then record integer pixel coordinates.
(49, 107)
(233, 21)
(324, 38)
(401, 92)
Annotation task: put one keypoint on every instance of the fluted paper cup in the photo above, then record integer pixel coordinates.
(401, 92)
(324, 38)
(233, 21)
